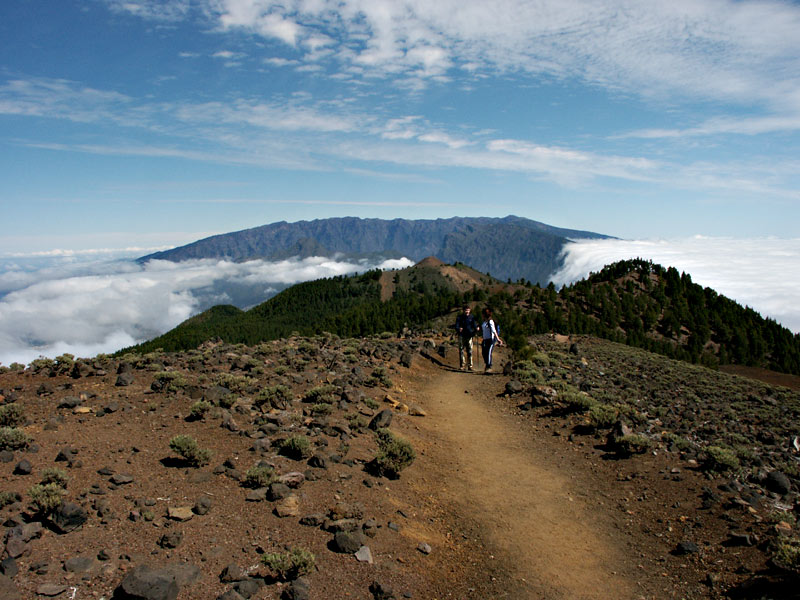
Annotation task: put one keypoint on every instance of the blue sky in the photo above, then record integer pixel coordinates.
(133, 125)
(136, 123)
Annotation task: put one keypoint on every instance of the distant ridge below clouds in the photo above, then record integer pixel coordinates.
(509, 247)
(761, 273)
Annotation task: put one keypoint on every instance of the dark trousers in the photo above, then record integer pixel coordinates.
(486, 349)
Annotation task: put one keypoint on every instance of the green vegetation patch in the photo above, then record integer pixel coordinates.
(394, 454)
(188, 448)
(290, 565)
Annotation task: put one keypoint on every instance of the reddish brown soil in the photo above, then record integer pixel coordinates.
(511, 504)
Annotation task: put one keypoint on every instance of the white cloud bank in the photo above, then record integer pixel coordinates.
(102, 307)
(759, 273)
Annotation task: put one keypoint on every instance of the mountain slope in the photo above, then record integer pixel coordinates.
(632, 302)
(511, 247)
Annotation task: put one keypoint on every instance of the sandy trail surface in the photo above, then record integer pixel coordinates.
(532, 518)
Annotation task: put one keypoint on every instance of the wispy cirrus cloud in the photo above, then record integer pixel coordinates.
(714, 49)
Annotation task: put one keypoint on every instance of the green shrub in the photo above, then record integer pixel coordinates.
(379, 378)
(603, 416)
(11, 415)
(296, 447)
(42, 363)
(7, 498)
(12, 438)
(15, 366)
(371, 403)
(259, 476)
(47, 498)
(786, 554)
(235, 383)
(64, 363)
(199, 409)
(186, 446)
(56, 476)
(633, 444)
(168, 381)
(321, 409)
(276, 396)
(720, 460)
(680, 443)
(394, 454)
(290, 565)
(575, 402)
(322, 393)
(357, 422)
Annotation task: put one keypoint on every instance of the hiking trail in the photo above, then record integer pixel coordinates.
(540, 526)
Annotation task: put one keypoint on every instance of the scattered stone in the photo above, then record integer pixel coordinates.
(313, 520)
(8, 591)
(381, 420)
(778, 482)
(70, 402)
(258, 495)
(293, 479)
(381, 591)
(318, 461)
(124, 379)
(288, 507)
(180, 513)
(364, 554)
(686, 547)
(198, 476)
(68, 517)
(6, 456)
(9, 567)
(146, 583)
(202, 505)
(66, 454)
(16, 547)
(23, 467)
(299, 589)
(246, 587)
(50, 589)
(231, 573)
(171, 539)
(278, 491)
(80, 564)
(513, 387)
(230, 595)
(415, 410)
(424, 548)
(348, 542)
(121, 479)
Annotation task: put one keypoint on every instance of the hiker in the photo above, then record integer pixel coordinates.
(490, 338)
(466, 328)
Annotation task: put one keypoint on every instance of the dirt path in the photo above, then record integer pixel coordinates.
(532, 518)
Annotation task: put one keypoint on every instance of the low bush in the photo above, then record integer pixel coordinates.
(290, 565)
(632, 444)
(575, 402)
(186, 446)
(199, 410)
(322, 393)
(259, 476)
(602, 416)
(46, 498)
(786, 554)
(720, 460)
(276, 396)
(235, 383)
(12, 438)
(168, 381)
(11, 415)
(394, 454)
(296, 447)
(7, 498)
(56, 476)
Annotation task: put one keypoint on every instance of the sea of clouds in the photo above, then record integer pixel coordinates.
(55, 303)
(86, 303)
(763, 273)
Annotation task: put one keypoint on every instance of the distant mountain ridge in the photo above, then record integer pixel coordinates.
(508, 247)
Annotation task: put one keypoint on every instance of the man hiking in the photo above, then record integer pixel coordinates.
(466, 327)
